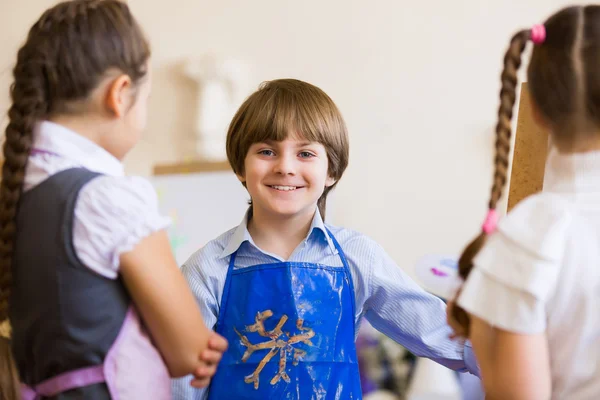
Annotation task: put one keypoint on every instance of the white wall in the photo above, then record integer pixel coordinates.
(416, 81)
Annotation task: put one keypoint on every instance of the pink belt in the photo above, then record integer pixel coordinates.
(63, 382)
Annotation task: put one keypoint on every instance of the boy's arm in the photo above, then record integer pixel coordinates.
(403, 311)
(207, 302)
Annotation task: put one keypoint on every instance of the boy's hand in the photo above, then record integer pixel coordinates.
(217, 345)
(459, 330)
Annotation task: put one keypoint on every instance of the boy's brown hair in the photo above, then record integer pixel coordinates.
(289, 107)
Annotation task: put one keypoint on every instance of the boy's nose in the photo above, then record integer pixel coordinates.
(285, 165)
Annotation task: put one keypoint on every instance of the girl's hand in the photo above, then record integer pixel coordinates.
(210, 358)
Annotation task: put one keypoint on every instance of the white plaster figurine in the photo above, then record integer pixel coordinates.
(222, 85)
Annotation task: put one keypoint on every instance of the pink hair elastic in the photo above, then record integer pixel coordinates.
(490, 222)
(538, 34)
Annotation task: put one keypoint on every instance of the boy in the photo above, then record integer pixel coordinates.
(287, 290)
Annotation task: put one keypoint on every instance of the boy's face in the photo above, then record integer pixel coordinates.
(287, 178)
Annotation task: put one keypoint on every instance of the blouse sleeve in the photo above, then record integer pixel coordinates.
(112, 215)
(515, 273)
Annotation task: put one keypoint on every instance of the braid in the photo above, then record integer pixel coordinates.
(512, 62)
(29, 104)
(49, 78)
(9, 377)
(508, 95)
(66, 53)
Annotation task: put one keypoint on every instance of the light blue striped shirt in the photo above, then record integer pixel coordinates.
(393, 303)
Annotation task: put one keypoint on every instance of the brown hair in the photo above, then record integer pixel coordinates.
(67, 52)
(285, 107)
(9, 378)
(564, 83)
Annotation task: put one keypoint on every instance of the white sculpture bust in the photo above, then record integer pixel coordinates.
(222, 85)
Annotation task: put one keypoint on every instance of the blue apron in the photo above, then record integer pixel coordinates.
(290, 327)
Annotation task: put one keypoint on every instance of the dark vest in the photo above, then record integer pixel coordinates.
(64, 316)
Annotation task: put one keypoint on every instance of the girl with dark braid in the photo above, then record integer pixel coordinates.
(530, 300)
(97, 304)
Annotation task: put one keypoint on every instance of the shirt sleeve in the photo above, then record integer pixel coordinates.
(112, 215)
(516, 272)
(403, 311)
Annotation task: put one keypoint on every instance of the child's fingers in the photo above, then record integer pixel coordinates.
(456, 335)
(203, 375)
(200, 383)
(450, 317)
(205, 371)
(211, 357)
(458, 330)
(218, 343)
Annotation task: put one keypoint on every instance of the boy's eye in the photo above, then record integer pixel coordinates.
(266, 152)
(306, 154)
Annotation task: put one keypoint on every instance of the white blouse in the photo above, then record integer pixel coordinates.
(540, 273)
(113, 213)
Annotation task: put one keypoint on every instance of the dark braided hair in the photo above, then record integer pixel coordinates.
(512, 62)
(9, 378)
(67, 53)
(564, 82)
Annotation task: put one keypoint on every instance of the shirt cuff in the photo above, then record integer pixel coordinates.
(470, 360)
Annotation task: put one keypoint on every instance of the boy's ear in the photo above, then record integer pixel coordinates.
(241, 178)
(330, 181)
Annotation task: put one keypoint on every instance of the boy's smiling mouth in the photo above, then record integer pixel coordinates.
(284, 188)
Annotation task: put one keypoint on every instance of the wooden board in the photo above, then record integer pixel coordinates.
(191, 167)
(529, 157)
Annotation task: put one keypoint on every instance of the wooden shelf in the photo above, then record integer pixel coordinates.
(191, 167)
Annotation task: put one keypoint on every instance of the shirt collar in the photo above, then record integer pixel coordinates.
(61, 141)
(318, 227)
(575, 172)
(241, 235)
